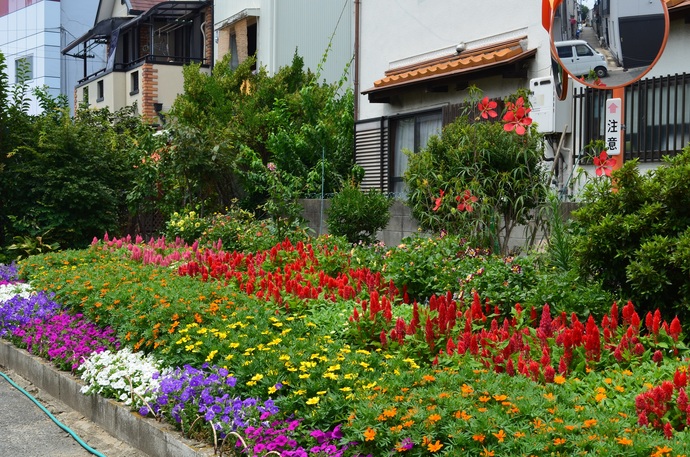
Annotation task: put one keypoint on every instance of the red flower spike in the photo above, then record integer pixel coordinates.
(487, 108)
(675, 329)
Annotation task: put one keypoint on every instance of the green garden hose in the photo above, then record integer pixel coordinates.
(53, 418)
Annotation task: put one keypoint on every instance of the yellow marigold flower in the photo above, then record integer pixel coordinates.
(313, 401)
(257, 377)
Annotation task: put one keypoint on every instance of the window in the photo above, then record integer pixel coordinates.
(583, 50)
(99, 91)
(411, 133)
(565, 51)
(134, 83)
(23, 69)
(234, 58)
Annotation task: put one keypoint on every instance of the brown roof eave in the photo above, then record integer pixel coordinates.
(381, 94)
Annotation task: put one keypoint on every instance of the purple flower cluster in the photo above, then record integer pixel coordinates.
(8, 273)
(189, 393)
(19, 311)
(282, 437)
(67, 340)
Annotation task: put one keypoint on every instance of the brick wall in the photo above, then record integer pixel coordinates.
(149, 95)
(208, 31)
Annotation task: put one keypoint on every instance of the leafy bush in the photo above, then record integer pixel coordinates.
(187, 225)
(358, 215)
(636, 239)
(478, 180)
(426, 266)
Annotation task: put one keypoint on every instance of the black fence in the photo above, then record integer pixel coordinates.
(657, 117)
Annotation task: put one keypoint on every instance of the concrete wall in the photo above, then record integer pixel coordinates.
(401, 224)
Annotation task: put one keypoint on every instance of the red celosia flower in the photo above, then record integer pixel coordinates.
(675, 329)
(516, 117)
(465, 201)
(604, 164)
(487, 108)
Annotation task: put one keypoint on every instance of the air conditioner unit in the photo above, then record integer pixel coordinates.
(550, 114)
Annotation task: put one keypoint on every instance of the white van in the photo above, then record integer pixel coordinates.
(579, 58)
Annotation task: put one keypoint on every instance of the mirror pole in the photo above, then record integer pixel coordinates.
(619, 92)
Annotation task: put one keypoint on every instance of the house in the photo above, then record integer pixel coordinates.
(146, 45)
(32, 33)
(416, 66)
(321, 32)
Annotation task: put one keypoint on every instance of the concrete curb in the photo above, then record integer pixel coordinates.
(156, 439)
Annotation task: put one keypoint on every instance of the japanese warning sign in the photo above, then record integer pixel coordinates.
(613, 130)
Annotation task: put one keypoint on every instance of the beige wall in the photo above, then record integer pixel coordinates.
(113, 95)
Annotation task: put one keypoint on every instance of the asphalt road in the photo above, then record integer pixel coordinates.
(25, 430)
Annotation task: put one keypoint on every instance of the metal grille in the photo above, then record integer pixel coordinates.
(657, 117)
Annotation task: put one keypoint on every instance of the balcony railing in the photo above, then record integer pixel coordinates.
(149, 58)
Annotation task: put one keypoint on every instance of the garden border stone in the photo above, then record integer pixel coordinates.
(157, 439)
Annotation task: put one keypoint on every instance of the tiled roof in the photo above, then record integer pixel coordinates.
(465, 62)
(144, 5)
(677, 3)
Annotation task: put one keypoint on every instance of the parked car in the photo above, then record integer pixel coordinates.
(579, 58)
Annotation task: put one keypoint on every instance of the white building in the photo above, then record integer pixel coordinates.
(275, 30)
(33, 32)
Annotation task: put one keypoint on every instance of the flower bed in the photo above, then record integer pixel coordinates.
(299, 351)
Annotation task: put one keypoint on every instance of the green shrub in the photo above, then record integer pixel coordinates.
(635, 239)
(477, 180)
(358, 215)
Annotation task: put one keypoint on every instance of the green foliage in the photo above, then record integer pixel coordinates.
(634, 238)
(498, 173)
(67, 176)
(187, 225)
(27, 246)
(358, 215)
(560, 248)
(426, 266)
(227, 121)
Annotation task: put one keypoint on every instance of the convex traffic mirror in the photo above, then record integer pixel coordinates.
(613, 44)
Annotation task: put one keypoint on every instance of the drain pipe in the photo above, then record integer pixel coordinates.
(356, 63)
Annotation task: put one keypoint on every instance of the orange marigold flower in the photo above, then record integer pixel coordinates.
(559, 441)
(500, 436)
(500, 397)
(479, 437)
(433, 447)
(590, 423)
(462, 415)
(428, 377)
(391, 412)
(434, 418)
(369, 434)
(484, 398)
(487, 453)
(519, 434)
(558, 379)
(624, 441)
(467, 390)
